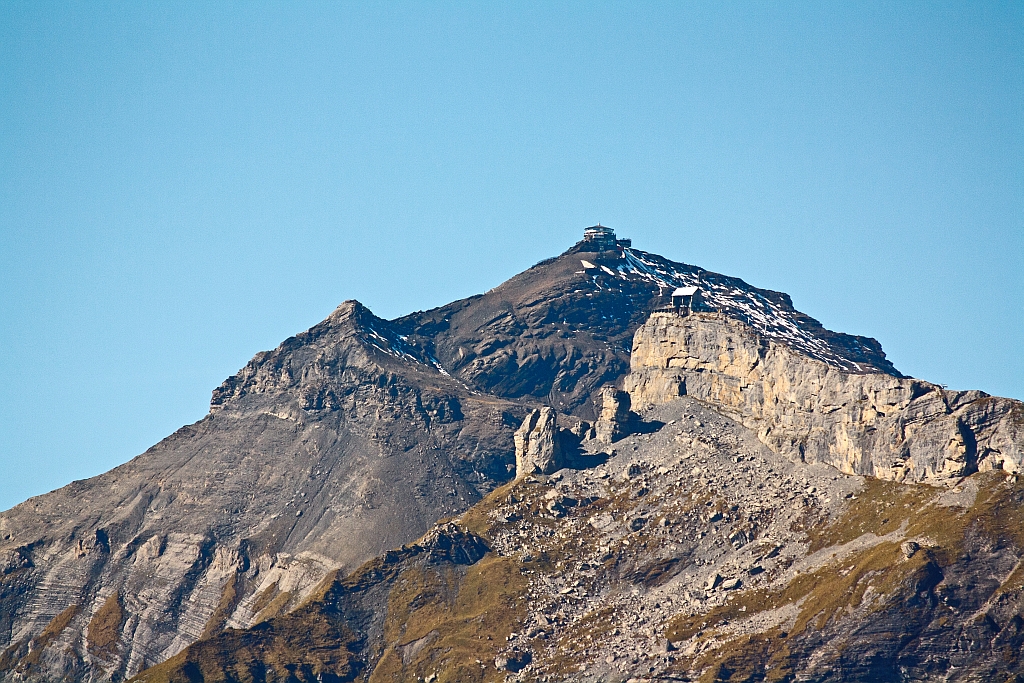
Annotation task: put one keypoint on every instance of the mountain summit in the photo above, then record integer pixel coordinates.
(706, 469)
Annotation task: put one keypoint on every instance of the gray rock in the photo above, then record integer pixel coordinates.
(18, 558)
(616, 419)
(539, 448)
(513, 661)
(346, 418)
(359, 420)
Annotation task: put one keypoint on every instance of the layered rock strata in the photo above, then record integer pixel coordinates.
(335, 635)
(347, 439)
(693, 553)
(876, 424)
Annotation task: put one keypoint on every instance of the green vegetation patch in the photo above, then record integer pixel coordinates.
(881, 508)
(477, 519)
(880, 571)
(744, 660)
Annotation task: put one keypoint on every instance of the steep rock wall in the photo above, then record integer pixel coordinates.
(875, 424)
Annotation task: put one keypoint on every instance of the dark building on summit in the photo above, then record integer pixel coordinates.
(601, 238)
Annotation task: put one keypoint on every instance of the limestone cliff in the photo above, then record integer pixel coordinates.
(806, 409)
(559, 331)
(693, 553)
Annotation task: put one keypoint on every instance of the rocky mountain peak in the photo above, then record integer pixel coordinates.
(351, 338)
(564, 327)
(280, 532)
(347, 309)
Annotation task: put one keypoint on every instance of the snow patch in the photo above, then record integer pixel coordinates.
(765, 316)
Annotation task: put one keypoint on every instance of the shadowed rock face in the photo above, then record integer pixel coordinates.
(807, 410)
(348, 439)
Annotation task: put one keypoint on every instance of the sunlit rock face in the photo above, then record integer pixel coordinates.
(810, 410)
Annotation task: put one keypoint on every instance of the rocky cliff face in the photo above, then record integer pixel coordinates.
(808, 410)
(538, 446)
(347, 622)
(616, 418)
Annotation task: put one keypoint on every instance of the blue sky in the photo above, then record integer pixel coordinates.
(185, 184)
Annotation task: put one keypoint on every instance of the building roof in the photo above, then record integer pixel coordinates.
(684, 291)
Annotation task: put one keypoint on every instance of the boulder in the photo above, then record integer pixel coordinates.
(513, 661)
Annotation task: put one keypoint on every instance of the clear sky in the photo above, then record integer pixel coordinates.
(185, 184)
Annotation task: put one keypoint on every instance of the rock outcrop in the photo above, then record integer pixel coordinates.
(559, 331)
(539, 445)
(808, 410)
(616, 419)
(694, 553)
(342, 629)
